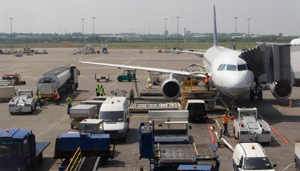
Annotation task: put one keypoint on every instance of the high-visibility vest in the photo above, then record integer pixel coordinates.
(131, 92)
(206, 79)
(101, 91)
(57, 95)
(69, 100)
(39, 96)
(98, 89)
(149, 80)
(225, 119)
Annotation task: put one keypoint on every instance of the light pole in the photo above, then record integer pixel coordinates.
(82, 19)
(177, 30)
(11, 35)
(165, 33)
(93, 25)
(235, 25)
(248, 19)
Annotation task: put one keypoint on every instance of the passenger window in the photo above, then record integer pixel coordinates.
(231, 67)
(242, 67)
(220, 67)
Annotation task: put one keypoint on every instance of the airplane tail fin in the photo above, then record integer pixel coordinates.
(215, 28)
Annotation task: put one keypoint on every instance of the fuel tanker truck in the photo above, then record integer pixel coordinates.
(62, 78)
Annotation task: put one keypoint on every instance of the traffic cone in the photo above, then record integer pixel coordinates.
(291, 104)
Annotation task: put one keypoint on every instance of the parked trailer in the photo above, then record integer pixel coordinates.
(6, 92)
(145, 107)
(98, 104)
(62, 78)
(15, 78)
(19, 150)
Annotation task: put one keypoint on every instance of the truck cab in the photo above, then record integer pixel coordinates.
(115, 114)
(92, 126)
(197, 110)
(251, 156)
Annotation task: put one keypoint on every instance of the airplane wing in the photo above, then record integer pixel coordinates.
(201, 54)
(176, 72)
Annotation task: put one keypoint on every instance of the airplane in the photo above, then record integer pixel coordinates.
(229, 73)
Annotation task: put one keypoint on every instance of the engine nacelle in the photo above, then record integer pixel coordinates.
(281, 90)
(171, 88)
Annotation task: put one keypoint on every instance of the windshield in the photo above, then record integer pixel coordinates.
(248, 113)
(242, 67)
(257, 163)
(28, 93)
(10, 149)
(93, 129)
(112, 116)
(231, 67)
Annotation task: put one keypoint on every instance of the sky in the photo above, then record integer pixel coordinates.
(144, 16)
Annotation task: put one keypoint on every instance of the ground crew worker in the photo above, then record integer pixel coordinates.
(39, 98)
(57, 97)
(207, 81)
(69, 102)
(149, 82)
(131, 96)
(225, 123)
(101, 91)
(98, 90)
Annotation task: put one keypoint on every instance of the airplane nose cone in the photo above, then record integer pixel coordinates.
(238, 83)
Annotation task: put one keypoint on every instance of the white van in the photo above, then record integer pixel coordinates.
(251, 156)
(114, 111)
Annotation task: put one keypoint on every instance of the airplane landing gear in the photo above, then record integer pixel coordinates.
(256, 92)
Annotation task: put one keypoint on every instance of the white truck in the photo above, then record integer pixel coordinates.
(114, 111)
(251, 156)
(248, 128)
(80, 112)
(24, 102)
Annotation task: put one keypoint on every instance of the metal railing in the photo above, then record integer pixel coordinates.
(75, 161)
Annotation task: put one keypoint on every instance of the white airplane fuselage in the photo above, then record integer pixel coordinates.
(234, 79)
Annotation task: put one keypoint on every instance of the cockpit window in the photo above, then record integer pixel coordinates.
(242, 67)
(220, 67)
(231, 67)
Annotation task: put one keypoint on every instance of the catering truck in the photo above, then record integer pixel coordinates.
(62, 78)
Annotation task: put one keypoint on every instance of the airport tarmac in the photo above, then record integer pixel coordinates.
(50, 121)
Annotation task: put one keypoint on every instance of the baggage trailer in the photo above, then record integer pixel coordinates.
(89, 144)
(19, 150)
(14, 78)
(165, 141)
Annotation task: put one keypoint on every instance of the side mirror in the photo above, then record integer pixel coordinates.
(274, 165)
(190, 127)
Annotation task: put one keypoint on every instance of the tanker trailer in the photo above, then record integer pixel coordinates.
(62, 78)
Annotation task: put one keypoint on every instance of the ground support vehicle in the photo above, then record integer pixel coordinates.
(6, 90)
(24, 102)
(19, 150)
(15, 78)
(164, 140)
(247, 127)
(104, 78)
(251, 156)
(145, 107)
(297, 155)
(194, 167)
(114, 111)
(128, 75)
(80, 112)
(197, 110)
(98, 104)
(94, 145)
(62, 78)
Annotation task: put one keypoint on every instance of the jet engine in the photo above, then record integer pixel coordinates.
(171, 88)
(281, 90)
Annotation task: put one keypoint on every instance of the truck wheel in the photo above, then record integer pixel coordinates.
(12, 113)
(129, 80)
(72, 126)
(120, 80)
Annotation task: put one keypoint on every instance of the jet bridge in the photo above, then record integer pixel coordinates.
(270, 65)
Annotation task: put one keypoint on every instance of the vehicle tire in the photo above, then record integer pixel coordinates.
(252, 94)
(129, 80)
(12, 113)
(72, 126)
(120, 80)
(259, 94)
